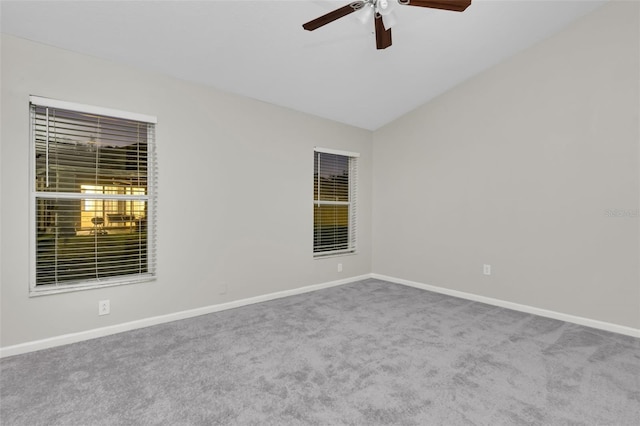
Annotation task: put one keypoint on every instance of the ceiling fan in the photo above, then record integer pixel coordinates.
(383, 15)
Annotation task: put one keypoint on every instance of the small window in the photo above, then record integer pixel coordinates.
(93, 196)
(334, 202)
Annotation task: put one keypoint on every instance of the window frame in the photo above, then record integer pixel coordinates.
(351, 203)
(150, 199)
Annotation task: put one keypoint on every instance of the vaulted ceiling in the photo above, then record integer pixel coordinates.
(259, 49)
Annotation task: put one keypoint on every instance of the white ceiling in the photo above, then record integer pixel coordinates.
(259, 49)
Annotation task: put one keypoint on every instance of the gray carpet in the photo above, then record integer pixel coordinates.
(366, 353)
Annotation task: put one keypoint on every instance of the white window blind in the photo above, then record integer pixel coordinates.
(334, 202)
(93, 196)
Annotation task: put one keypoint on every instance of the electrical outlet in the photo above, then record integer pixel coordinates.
(339, 267)
(486, 269)
(104, 307)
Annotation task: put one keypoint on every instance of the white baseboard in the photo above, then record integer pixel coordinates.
(615, 328)
(66, 339)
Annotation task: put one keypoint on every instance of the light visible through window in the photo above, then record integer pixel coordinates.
(334, 203)
(93, 196)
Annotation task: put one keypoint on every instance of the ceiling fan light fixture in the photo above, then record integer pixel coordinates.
(364, 15)
(389, 20)
(383, 7)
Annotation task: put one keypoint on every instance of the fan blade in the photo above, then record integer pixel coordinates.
(454, 5)
(383, 36)
(332, 16)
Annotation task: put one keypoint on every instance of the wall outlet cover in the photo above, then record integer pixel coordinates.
(486, 269)
(104, 307)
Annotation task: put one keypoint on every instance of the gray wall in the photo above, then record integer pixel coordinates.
(518, 168)
(235, 193)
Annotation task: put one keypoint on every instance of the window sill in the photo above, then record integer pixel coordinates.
(47, 290)
(319, 256)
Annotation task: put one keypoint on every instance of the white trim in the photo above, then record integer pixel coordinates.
(32, 199)
(337, 254)
(601, 325)
(66, 339)
(54, 103)
(353, 203)
(149, 198)
(335, 152)
(334, 253)
(48, 289)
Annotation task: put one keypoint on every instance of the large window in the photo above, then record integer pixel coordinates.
(334, 202)
(93, 196)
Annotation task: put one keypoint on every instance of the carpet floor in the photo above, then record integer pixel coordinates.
(366, 353)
